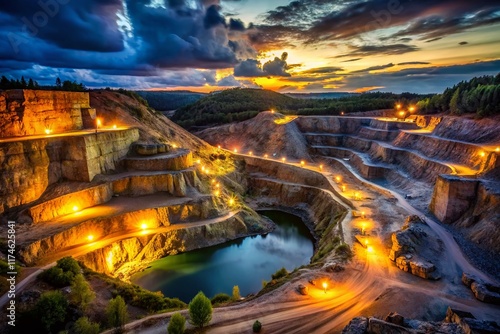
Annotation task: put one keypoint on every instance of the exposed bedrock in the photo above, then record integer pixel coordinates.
(27, 167)
(176, 160)
(125, 257)
(483, 291)
(471, 205)
(127, 184)
(30, 112)
(412, 246)
(33, 250)
(327, 124)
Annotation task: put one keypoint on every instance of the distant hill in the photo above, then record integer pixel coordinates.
(240, 104)
(170, 100)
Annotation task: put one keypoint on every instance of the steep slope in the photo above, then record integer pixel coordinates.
(267, 133)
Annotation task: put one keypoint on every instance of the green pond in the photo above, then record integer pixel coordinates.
(244, 262)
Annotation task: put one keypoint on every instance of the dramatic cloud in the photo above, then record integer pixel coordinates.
(374, 68)
(253, 68)
(369, 50)
(323, 70)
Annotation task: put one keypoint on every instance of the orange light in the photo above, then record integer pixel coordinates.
(369, 249)
(343, 188)
(302, 163)
(198, 161)
(75, 208)
(325, 285)
(398, 106)
(48, 131)
(320, 167)
(213, 180)
(114, 126)
(90, 237)
(235, 150)
(362, 214)
(482, 154)
(217, 185)
(98, 122)
(250, 153)
(412, 109)
(231, 201)
(342, 113)
(266, 156)
(497, 149)
(401, 113)
(338, 179)
(283, 159)
(174, 145)
(218, 146)
(144, 226)
(272, 111)
(216, 192)
(366, 241)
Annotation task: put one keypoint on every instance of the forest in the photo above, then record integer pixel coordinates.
(480, 95)
(169, 100)
(239, 104)
(66, 85)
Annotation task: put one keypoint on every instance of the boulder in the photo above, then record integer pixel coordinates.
(377, 326)
(146, 149)
(483, 293)
(395, 318)
(304, 290)
(469, 324)
(357, 325)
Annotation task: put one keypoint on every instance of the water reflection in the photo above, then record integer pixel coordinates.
(244, 262)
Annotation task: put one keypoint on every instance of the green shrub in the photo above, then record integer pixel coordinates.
(177, 324)
(174, 303)
(150, 301)
(84, 326)
(81, 292)
(257, 326)
(236, 293)
(116, 312)
(51, 309)
(264, 283)
(200, 310)
(344, 250)
(68, 264)
(280, 273)
(221, 298)
(56, 277)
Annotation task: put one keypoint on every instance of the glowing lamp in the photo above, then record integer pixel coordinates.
(235, 151)
(250, 153)
(174, 145)
(198, 161)
(363, 214)
(144, 226)
(398, 106)
(272, 111)
(320, 167)
(369, 249)
(231, 201)
(343, 188)
(99, 122)
(401, 113)
(218, 146)
(338, 179)
(90, 237)
(283, 159)
(482, 154)
(342, 113)
(213, 180)
(217, 192)
(75, 208)
(114, 126)
(266, 156)
(325, 286)
(412, 109)
(48, 131)
(302, 163)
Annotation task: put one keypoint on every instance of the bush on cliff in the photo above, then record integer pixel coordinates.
(63, 274)
(51, 310)
(280, 273)
(116, 313)
(221, 298)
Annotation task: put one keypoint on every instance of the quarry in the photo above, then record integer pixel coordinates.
(404, 213)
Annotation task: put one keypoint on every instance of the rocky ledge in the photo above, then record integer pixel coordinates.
(456, 322)
(483, 291)
(405, 251)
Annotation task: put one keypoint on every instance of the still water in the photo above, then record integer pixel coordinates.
(244, 262)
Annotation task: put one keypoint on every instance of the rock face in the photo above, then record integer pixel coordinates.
(485, 292)
(30, 112)
(456, 322)
(27, 167)
(406, 245)
(177, 160)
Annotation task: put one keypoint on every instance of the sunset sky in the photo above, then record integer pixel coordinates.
(204, 45)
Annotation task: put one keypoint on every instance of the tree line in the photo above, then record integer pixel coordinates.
(480, 95)
(66, 85)
(239, 104)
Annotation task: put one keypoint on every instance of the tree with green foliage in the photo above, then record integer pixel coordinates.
(236, 293)
(81, 292)
(84, 326)
(177, 324)
(257, 326)
(280, 273)
(455, 102)
(69, 264)
(116, 313)
(51, 309)
(200, 310)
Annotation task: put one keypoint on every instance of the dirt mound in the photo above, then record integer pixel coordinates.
(267, 133)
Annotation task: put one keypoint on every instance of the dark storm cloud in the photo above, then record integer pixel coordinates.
(266, 37)
(236, 24)
(92, 23)
(213, 17)
(374, 68)
(369, 50)
(414, 63)
(343, 20)
(253, 68)
(422, 80)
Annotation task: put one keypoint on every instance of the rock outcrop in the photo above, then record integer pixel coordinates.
(483, 291)
(31, 112)
(455, 322)
(406, 246)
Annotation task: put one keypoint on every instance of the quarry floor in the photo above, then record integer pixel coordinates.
(370, 285)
